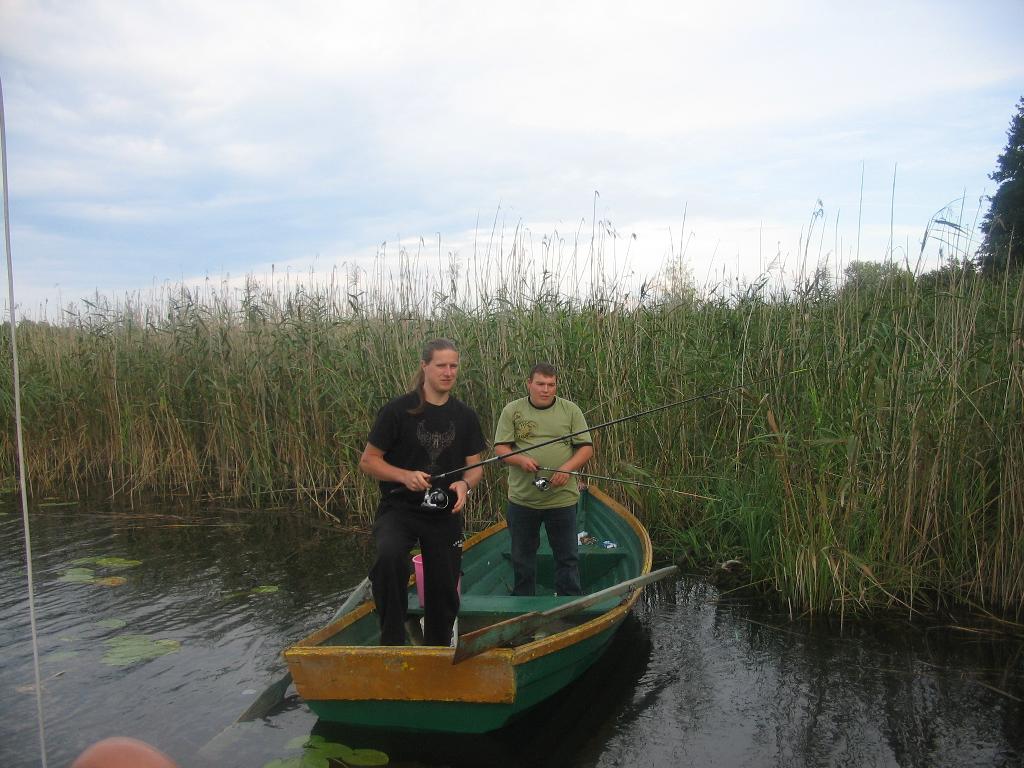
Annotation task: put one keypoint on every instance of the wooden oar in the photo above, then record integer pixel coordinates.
(274, 693)
(474, 643)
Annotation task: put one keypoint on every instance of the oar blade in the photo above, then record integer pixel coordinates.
(265, 703)
(494, 636)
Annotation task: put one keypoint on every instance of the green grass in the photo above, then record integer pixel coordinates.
(887, 472)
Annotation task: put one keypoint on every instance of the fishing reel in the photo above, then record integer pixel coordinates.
(436, 498)
(541, 483)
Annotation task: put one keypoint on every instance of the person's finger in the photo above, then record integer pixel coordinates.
(415, 481)
(121, 752)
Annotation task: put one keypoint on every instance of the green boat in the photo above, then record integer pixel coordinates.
(346, 677)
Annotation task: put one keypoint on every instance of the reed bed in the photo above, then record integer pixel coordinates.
(883, 467)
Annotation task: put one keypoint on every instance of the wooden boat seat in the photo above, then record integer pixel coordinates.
(595, 562)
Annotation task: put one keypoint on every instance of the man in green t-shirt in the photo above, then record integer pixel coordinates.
(532, 420)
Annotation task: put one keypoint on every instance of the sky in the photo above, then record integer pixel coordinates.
(152, 143)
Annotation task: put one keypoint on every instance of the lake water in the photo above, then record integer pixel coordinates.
(172, 649)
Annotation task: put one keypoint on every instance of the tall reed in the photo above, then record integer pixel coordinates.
(888, 471)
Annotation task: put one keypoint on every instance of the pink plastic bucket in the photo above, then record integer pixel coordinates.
(417, 566)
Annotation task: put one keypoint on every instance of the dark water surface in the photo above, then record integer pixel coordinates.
(691, 680)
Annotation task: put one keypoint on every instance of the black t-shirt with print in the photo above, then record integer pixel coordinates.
(435, 441)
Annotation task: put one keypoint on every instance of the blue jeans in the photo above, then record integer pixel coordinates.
(524, 526)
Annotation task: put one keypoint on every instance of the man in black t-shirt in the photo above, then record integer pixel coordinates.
(416, 437)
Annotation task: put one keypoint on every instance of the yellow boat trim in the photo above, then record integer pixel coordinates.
(401, 673)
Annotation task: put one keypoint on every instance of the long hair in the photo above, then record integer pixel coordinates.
(432, 346)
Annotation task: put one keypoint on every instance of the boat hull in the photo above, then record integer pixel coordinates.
(346, 678)
(535, 681)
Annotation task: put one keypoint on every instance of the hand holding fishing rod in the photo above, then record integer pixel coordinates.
(434, 497)
(416, 480)
(521, 460)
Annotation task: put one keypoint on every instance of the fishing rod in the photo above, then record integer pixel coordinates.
(544, 483)
(432, 497)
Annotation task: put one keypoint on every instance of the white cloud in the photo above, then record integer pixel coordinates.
(204, 134)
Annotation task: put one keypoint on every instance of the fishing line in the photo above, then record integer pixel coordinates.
(613, 422)
(21, 444)
(543, 483)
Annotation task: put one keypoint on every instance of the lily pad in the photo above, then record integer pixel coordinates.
(111, 623)
(59, 656)
(265, 589)
(318, 753)
(366, 757)
(124, 650)
(78, 576)
(115, 563)
(329, 749)
(112, 581)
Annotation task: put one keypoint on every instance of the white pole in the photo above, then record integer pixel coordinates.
(21, 445)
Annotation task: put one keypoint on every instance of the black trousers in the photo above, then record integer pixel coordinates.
(396, 531)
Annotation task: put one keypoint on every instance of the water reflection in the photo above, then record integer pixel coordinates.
(726, 688)
(194, 585)
(689, 680)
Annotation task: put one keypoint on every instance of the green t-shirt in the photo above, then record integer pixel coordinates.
(521, 425)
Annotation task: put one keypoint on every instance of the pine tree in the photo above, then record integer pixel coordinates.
(1003, 225)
